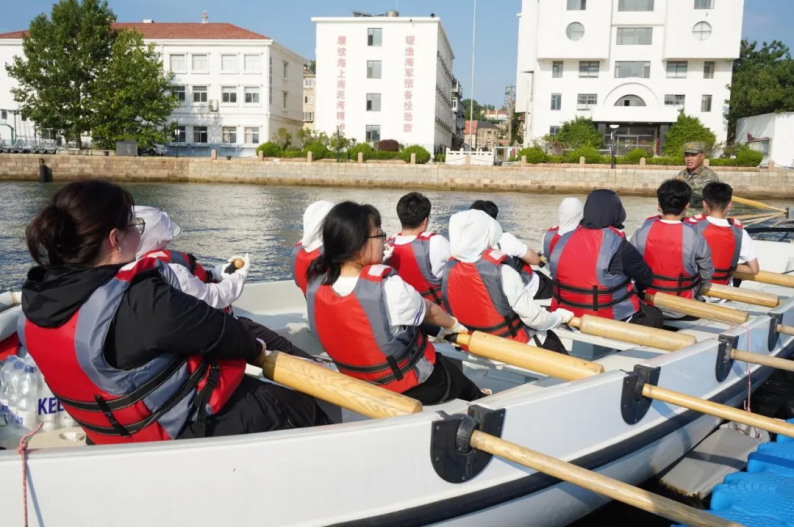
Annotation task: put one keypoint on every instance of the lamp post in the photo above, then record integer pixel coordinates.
(612, 142)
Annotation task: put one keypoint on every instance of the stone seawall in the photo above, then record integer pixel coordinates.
(635, 179)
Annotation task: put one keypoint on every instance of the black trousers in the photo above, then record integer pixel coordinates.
(545, 286)
(447, 382)
(552, 342)
(648, 316)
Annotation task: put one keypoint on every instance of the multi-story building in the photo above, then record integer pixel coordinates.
(631, 63)
(481, 135)
(309, 79)
(459, 114)
(236, 87)
(385, 77)
(499, 116)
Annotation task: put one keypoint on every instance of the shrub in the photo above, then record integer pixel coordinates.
(268, 150)
(442, 158)
(360, 147)
(557, 159)
(288, 154)
(665, 161)
(534, 155)
(389, 145)
(318, 150)
(422, 155)
(749, 158)
(684, 130)
(386, 155)
(590, 154)
(581, 132)
(635, 155)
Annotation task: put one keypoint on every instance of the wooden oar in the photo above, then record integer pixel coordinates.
(743, 218)
(375, 402)
(742, 295)
(631, 333)
(762, 219)
(767, 277)
(754, 203)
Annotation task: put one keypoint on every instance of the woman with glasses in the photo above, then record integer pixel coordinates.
(368, 319)
(130, 357)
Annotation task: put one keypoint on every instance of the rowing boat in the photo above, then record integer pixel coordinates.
(406, 470)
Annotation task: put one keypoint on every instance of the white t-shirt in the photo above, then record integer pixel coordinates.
(404, 305)
(521, 299)
(747, 251)
(438, 249)
(512, 246)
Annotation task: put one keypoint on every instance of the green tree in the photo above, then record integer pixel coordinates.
(282, 138)
(478, 108)
(63, 57)
(581, 132)
(312, 66)
(763, 82)
(686, 129)
(132, 99)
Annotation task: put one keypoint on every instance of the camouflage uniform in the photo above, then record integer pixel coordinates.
(698, 178)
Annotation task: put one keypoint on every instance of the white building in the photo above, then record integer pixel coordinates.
(770, 134)
(237, 87)
(385, 77)
(634, 63)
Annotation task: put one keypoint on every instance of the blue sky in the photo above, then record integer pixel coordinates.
(289, 23)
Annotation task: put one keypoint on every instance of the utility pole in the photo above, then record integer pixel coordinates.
(473, 40)
(510, 105)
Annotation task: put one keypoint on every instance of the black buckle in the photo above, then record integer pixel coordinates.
(724, 360)
(633, 405)
(775, 320)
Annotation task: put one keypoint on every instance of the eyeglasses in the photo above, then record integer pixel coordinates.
(139, 224)
(380, 235)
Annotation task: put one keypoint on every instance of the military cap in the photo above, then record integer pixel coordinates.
(694, 147)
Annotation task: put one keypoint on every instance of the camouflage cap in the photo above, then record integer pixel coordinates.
(694, 147)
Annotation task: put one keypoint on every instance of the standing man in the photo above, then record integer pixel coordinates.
(696, 174)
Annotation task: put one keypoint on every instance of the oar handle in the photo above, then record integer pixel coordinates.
(699, 309)
(783, 329)
(742, 295)
(763, 360)
(767, 277)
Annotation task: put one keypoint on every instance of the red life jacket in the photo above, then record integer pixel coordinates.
(725, 244)
(412, 262)
(150, 402)
(669, 250)
(582, 283)
(473, 294)
(355, 332)
(301, 259)
(550, 239)
(183, 259)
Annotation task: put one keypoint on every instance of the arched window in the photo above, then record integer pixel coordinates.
(630, 100)
(702, 30)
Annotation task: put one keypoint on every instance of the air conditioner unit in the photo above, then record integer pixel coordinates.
(213, 105)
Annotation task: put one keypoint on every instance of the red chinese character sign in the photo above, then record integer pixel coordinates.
(341, 81)
(408, 105)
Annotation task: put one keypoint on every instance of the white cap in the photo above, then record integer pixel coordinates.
(160, 230)
(471, 233)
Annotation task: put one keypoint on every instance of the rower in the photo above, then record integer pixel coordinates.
(486, 293)
(368, 319)
(679, 258)
(570, 215)
(311, 245)
(418, 256)
(729, 243)
(130, 357)
(593, 266)
(521, 257)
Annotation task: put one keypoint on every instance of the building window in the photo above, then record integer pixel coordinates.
(553, 130)
(635, 36)
(762, 146)
(270, 94)
(177, 63)
(229, 134)
(229, 95)
(179, 93)
(199, 94)
(252, 95)
(589, 68)
(308, 117)
(373, 102)
(676, 70)
(625, 69)
(708, 70)
(705, 104)
(253, 63)
(630, 100)
(702, 31)
(374, 37)
(556, 101)
(308, 99)
(199, 134)
(373, 69)
(284, 69)
(704, 4)
(674, 100)
(284, 99)
(180, 134)
(308, 83)
(252, 135)
(200, 63)
(586, 101)
(556, 69)
(575, 31)
(373, 133)
(635, 5)
(577, 5)
(229, 63)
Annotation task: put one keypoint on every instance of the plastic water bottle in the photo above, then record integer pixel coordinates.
(26, 415)
(48, 407)
(64, 420)
(13, 397)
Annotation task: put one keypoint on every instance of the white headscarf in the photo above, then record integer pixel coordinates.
(159, 231)
(570, 214)
(312, 223)
(471, 233)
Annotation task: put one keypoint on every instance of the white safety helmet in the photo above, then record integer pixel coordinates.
(159, 231)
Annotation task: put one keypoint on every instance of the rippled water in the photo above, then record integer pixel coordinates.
(220, 220)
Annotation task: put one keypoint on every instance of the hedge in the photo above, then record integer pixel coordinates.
(590, 154)
(422, 155)
(534, 155)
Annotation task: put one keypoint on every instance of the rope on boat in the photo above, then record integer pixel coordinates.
(22, 449)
